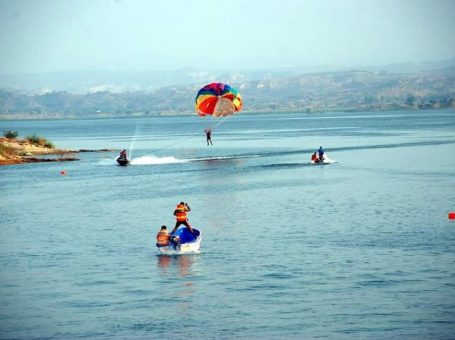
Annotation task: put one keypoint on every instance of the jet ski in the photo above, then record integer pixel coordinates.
(183, 242)
(325, 161)
(122, 161)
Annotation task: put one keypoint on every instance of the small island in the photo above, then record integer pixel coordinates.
(30, 149)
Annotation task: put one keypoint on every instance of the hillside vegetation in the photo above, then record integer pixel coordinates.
(331, 91)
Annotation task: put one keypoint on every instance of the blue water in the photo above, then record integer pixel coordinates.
(362, 248)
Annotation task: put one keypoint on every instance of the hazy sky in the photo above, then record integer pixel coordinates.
(50, 35)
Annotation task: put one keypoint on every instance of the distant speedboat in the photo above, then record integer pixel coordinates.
(122, 161)
(189, 243)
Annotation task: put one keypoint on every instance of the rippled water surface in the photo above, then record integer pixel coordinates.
(362, 248)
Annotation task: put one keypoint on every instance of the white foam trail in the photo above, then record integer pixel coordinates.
(328, 160)
(148, 160)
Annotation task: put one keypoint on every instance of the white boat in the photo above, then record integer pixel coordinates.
(189, 243)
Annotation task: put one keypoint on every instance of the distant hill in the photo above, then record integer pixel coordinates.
(83, 82)
(354, 90)
(309, 92)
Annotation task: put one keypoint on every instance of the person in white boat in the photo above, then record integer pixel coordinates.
(181, 216)
(163, 237)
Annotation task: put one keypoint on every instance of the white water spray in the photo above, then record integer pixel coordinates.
(151, 160)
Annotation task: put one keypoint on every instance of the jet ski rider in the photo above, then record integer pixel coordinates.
(321, 154)
(123, 154)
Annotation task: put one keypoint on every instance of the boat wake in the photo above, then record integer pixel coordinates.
(327, 160)
(154, 160)
(151, 160)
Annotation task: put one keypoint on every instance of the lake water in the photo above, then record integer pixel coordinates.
(362, 248)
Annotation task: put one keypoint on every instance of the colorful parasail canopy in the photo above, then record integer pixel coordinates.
(218, 100)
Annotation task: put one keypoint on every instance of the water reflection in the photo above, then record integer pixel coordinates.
(168, 263)
(179, 267)
(164, 262)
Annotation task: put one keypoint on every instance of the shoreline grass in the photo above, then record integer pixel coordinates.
(39, 141)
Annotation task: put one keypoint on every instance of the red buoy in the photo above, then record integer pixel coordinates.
(452, 215)
(63, 172)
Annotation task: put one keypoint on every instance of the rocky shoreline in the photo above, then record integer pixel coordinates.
(18, 151)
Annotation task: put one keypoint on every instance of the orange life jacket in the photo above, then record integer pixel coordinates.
(163, 238)
(180, 213)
